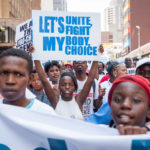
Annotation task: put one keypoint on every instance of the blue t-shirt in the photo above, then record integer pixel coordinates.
(102, 116)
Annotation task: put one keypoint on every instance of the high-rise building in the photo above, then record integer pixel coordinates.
(109, 17)
(136, 27)
(12, 13)
(54, 5)
(59, 5)
(47, 5)
(113, 20)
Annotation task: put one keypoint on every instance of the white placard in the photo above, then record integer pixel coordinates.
(23, 35)
(131, 71)
(66, 36)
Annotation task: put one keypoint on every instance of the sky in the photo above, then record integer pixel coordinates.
(97, 6)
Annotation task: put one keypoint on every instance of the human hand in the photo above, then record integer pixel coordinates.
(102, 91)
(101, 48)
(31, 48)
(131, 130)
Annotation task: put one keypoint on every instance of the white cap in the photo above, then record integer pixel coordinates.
(142, 62)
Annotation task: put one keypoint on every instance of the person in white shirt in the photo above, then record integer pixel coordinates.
(101, 71)
(15, 68)
(53, 70)
(114, 70)
(89, 105)
(66, 104)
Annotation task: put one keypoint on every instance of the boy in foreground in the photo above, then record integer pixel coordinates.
(15, 68)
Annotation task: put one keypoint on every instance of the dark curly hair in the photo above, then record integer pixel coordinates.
(111, 67)
(19, 53)
(70, 74)
(48, 65)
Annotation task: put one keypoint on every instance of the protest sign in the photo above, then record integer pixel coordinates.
(131, 71)
(23, 35)
(66, 36)
(28, 130)
(104, 58)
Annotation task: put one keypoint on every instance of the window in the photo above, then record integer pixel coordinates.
(7, 35)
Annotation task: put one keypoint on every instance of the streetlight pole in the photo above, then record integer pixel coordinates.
(139, 42)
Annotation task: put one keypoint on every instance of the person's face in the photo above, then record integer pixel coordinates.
(68, 67)
(100, 68)
(129, 105)
(144, 71)
(54, 73)
(67, 87)
(36, 83)
(121, 70)
(128, 62)
(14, 77)
(80, 66)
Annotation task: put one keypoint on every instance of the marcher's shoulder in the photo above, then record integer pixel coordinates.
(104, 84)
(42, 107)
(29, 94)
(1, 100)
(103, 125)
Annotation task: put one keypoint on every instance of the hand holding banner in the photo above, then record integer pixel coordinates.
(28, 130)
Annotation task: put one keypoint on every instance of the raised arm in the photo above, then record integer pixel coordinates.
(53, 98)
(81, 97)
(98, 102)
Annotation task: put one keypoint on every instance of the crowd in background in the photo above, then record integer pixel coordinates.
(102, 94)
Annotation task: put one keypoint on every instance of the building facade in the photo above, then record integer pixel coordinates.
(36, 4)
(126, 27)
(136, 23)
(109, 17)
(12, 13)
(54, 5)
(113, 20)
(106, 37)
(47, 5)
(59, 5)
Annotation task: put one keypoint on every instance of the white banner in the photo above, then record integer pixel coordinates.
(22, 129)
(23, 35)
(66, 36)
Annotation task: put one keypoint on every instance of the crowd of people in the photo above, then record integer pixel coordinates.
(103, 94)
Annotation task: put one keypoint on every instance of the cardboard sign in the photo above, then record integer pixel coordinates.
(66, 36)
(23, 35)
(131, 71)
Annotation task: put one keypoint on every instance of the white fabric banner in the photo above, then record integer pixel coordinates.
(22, 129)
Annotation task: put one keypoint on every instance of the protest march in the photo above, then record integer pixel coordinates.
(59, 91)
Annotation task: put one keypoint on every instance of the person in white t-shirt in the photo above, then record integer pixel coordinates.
(53, 70)
(80, 68)
(114, 70)
(15, 68)
(101, 71)
(66, 104)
